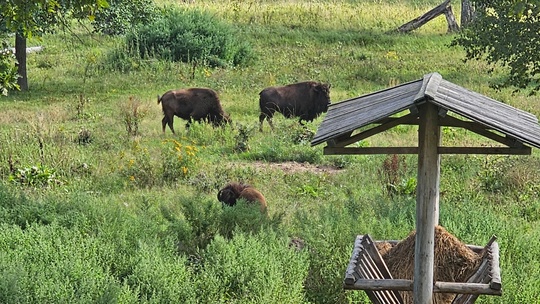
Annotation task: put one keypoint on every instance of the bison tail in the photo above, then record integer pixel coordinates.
(158, 99)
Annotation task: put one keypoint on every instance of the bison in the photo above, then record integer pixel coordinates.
(306, 100)
(199, 104)
(233, 191)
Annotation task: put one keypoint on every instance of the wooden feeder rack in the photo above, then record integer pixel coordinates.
(367, 271)
(433, 103)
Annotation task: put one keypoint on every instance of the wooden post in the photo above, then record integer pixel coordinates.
(427, 203)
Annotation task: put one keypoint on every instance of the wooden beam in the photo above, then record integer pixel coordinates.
(438, 287)
(369, 150)
(485, 150)
(387, 124)
(414, 150)
(427, 202)
(480, 130)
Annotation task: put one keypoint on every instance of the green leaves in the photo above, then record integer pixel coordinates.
(505, 33)
(36, 17)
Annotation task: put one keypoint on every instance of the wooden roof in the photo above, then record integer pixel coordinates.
(482, 114)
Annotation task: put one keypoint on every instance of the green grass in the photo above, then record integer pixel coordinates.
(122, 222)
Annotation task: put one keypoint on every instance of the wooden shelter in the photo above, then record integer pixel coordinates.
(432, 103)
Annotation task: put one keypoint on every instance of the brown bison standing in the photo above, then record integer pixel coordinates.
(306, 100)
(199, 104)
(235, 191)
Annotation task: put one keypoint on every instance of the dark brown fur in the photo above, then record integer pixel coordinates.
(232, 192)
(306, 100)
(199, 104)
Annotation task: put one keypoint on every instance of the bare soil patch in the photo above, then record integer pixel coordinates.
(295, 167)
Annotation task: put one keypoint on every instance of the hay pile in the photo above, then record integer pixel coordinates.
(454, 262)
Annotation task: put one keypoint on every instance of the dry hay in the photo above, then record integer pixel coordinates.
(454, 262)
(383, 247)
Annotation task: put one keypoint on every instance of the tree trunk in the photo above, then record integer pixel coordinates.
(20, 55)
(467, 12)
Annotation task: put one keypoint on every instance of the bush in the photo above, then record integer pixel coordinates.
(35, 176)
(8, 70)
(257, 268)
(50, 264)
(190, 36)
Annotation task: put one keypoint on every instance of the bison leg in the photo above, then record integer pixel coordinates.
(167, 120)
(268, 118)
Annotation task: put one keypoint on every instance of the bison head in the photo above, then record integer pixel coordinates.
(230, 193)
(220, 119)
(323, 91)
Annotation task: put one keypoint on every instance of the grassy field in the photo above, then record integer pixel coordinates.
(97, 205)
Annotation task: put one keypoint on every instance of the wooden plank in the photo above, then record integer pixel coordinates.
(355, 113)
(386, 284)
(495, 272)
(498, 116)
(476, 100)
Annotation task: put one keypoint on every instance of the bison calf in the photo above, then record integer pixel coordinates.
(235, 191)
(306, 100)
(199, 104)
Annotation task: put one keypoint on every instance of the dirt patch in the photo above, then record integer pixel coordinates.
(294, 167)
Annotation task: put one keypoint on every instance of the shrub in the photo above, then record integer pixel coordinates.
(190, 36)
(179, 159)
(245, 217)
(199, 225)
(49, 264)
(35, 176)
(137, 168)
(8, 69)
(259, 268)
(133, 113)
(394, 172)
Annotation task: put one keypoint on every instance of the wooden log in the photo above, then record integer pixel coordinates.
(438, 287)
(427, 202)
(451, 20)
(418, 22)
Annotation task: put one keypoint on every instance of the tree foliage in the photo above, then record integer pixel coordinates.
(39, 16)
(123, 15)
(34, 18)
(505, 32)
